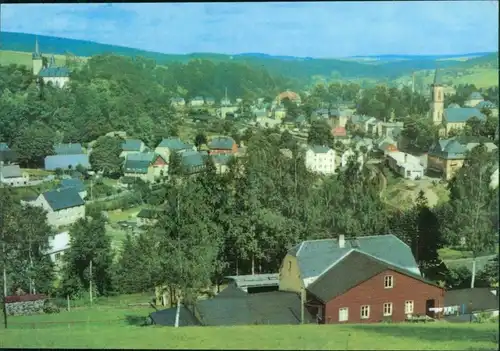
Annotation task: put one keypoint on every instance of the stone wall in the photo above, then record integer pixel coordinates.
(24, 308)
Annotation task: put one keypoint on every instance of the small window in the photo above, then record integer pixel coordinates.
(387, 309)
(409, 307)
(57, 256)
(343, 314)
(289, 266)
(365, 312)
(388, 282)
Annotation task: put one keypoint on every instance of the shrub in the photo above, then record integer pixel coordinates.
(50, 307)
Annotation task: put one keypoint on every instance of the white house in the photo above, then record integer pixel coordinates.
(320, 159)
(12, 175)
(408, 166)
(64, 206)
(57, 246)
(494, 180)
(197, 101)
(344, 159)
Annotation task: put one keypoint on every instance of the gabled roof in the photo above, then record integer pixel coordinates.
(174, 143)
(10, 171)
(453, 105)
(482, 298)
(448, 149)
(68, 149)
(193, 159)
(139, 162)
(221, 143)
(317, 149)
(167, 317)
(486, 104)
(53, 162)
(316, 256)
(74, 183)
(351, 270)
(132, 145)
(50, 72)
(462, 114)
(60, 199)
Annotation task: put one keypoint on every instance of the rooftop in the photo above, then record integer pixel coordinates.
(61, 199)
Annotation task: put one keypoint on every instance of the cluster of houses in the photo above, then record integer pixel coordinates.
(367, 279)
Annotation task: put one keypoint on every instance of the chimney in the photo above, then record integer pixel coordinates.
(406, 157)
(341, 241)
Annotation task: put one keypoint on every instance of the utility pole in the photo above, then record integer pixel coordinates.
(90, 285)
(302, 302)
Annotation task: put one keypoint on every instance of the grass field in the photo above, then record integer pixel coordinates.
(438, 336)
(23, 58)
(123, 215)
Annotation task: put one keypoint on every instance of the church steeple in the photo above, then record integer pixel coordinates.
(438, 79)
(437, 98)
(52, 61)
(36, 53)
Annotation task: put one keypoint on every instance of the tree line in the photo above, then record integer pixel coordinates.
(210, 225)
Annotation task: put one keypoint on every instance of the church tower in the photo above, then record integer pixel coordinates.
(437, 99)
(37, 59)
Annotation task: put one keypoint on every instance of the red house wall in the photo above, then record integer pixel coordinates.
(373, 293)
(159, 161)
(233, 150)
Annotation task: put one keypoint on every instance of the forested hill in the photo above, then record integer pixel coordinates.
(298, 69)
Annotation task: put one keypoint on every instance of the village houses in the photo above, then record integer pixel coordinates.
(132, 146)
(147, 166)
(64, 206)
(13, 176)
(320, 159)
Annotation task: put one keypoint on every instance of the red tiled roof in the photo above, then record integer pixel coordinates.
(339, 131)
(289, 94)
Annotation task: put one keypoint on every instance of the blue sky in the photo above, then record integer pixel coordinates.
(313, 29)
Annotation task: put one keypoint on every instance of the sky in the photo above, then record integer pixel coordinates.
(303, 29)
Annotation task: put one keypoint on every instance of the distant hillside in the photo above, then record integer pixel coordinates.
(303, 70)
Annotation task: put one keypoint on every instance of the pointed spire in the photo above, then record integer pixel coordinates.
(438, 77)
(37, 49)
(52, 61)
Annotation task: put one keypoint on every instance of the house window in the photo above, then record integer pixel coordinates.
(409, 307)
(388, 282)
(365, 312)
(289, 266)
(57, 257)
(343, 314)
(387, 309)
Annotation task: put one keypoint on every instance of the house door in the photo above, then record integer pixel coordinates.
(428, 305)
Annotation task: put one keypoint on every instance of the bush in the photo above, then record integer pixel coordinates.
(50, 308)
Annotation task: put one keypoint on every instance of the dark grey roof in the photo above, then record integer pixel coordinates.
(486, 104)
(255, 280)
(139, 162)
(277, 307)
(54, 72)
(132, 145)
(482, 299)
(175, 143)
(221, 143)
(316, 256)
(193, 159)
(53, 162)
(10, 171)
(231, 291)
(317, 149)
(74, 183)
(462, 114)
(60, 199)
(167, 317)
(352, 270)
(68, 149)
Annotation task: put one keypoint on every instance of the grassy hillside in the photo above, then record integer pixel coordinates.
(116, 330)
(304, 70)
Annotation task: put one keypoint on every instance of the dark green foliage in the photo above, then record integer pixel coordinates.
(105, 156)
(320, 134)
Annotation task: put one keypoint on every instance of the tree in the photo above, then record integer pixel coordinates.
(470, 198)
(320, 134)
(89, 245)
(105, 155)
(200, 139)
(33, 144)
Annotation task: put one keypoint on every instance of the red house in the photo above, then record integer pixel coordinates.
(222, 145)
(339, 132)
(365, 280)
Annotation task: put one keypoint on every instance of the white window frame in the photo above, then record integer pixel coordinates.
(409, 303)
(343, 314)
(366, 309)
(388, 282)
(387, 309)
